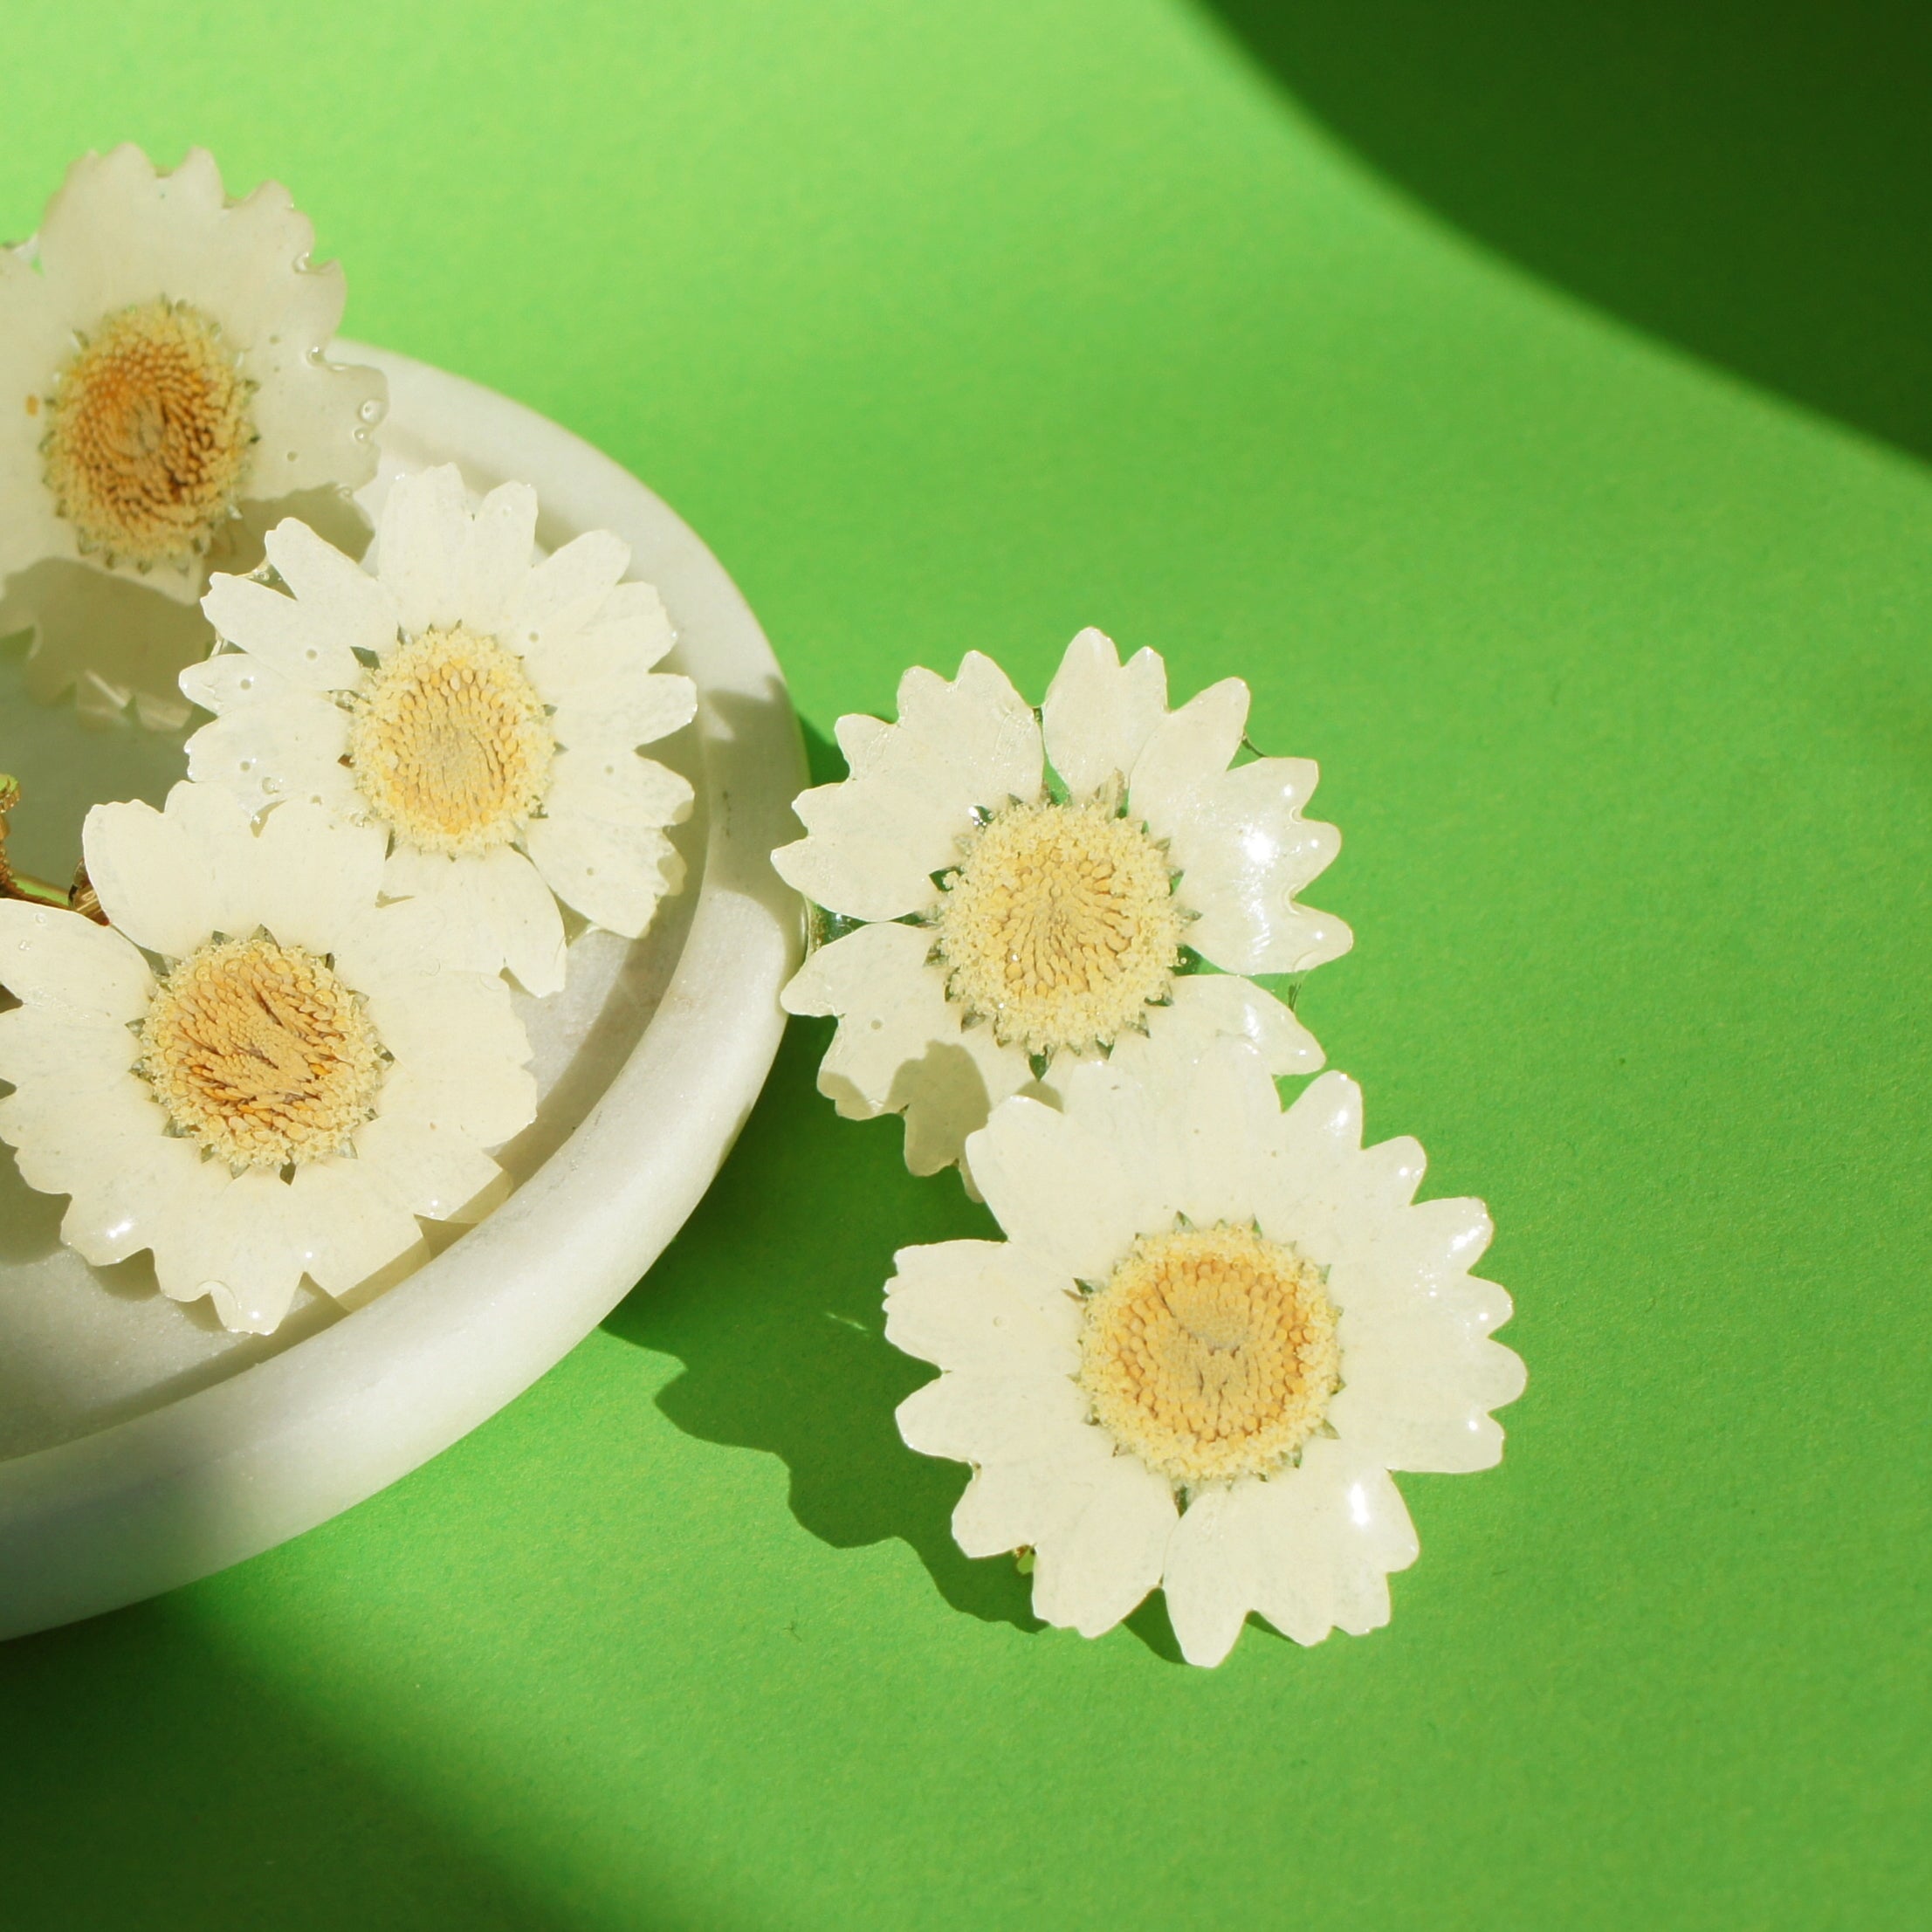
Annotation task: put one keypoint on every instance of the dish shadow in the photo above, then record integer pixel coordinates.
(150, 1778)
(1752, 182)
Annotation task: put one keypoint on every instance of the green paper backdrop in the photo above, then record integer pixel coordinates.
(1552, 476)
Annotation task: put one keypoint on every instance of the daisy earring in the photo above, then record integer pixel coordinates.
(164, 375)
(481, 711)
(256, 1069)
(1013, 893)
(1213, 1330)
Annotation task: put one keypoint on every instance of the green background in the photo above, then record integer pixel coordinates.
(1533, 405)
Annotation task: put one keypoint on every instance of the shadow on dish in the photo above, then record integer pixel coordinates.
(111, 647)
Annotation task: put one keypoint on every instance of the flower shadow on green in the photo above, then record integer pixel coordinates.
(772, 1298)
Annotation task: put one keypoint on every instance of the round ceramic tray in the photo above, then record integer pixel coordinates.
(141, 1447)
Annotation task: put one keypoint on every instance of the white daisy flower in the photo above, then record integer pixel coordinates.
(483, 711)
(1034, 888)
(1212, 1332)
(257, 1071)
(161, 363)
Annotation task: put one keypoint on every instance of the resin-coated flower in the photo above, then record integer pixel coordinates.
(485, 711)
(1037, 886)
(161, 363)
(1212, 1332)
(257, 1071)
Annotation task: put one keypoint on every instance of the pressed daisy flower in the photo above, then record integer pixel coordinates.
(256, 1070)
(1213, 1330)
(162, 366)
(1038, 889)
(483, 710)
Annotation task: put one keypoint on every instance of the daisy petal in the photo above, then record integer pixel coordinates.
(132, 1189)
(296, 641)
(631, 623)
(1310, 1549)
(496, 556)
(1440, 1237)
(520, 917)
(858, 736)
(1420, 1390)
(489, 1100)
(614, 874)
(317, 877)
(61, 1139)
(988, 1418)
(421, 547)
(876, 839)
(610, 654)
(1205, 1007)
(616, 787)
(1105, 1545)
(65, 964)
(39, 1043)
(1006, 1505)
(413, 939)
(347, 1223)
(1059, 1189)
(1321, 1136)
(1237, 837)
(1098, 715)
(971, 1305)
(658, 705)
(1369, 1532)
(559, 598)
(433, 1169)
(1211, 1577)
(1187, 749)
(240, 1250)
(340, 597)
(288, 745)
(452, 1021)
(1207, 1163)
(1243, 852)
(230, 679)
(152, 876)
(899, 1047)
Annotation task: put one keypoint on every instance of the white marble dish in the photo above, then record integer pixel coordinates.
(142, 1447)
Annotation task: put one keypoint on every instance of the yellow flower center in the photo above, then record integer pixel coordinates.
(259, 1052)
(1210, 1353)
(148, 434)
(1060, 927)
(449, 743)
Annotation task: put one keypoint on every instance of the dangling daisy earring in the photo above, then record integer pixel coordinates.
(1212, 1332)
(1214, 1328)
(1013, 892)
